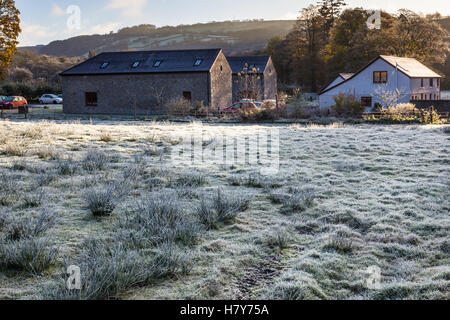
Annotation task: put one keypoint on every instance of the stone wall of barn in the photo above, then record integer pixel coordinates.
(220, 83)
(116, 93)
(270, 82)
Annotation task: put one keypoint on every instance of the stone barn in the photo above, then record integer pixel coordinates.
(143, 82)
(261, 80)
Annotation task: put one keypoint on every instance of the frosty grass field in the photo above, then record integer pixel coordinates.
(107, 198)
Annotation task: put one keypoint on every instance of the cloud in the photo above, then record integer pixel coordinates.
(129, 8)
(34, 33)
(57, 11)
(291, 16)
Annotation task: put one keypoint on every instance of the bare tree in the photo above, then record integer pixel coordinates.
(250, 86)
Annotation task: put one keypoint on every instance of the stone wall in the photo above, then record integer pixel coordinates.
(116, 93)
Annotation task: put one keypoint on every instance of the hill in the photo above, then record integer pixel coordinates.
(232, 36)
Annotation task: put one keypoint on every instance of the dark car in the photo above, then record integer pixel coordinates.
(240, 106)
(13, 102)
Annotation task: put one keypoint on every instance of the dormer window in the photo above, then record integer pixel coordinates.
(198, 62)
(104, 65)
(136, 64)
(157, 63)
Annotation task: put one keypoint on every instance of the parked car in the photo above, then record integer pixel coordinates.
(13, 102)
(240, 106)
(3, 98)
(50, 98)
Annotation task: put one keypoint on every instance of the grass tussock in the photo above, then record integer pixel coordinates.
(95, 160)
(156, 219)
(221, 208)
(111, 269)
(296, 201)
(102, 200)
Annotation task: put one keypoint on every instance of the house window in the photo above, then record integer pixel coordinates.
(421, 83)
(91, 99)
(198, 62)
(366, 101)
(136, 64)
(187, 95)
(421, 96)
(431, 82)
(438, 82)
(104, 65)
(380, 77)
(157, 63)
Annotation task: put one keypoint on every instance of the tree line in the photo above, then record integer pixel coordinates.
(328, 39)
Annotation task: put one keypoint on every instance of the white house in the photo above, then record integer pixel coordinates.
(405, 79)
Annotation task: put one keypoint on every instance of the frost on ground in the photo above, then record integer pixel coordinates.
(106, 197)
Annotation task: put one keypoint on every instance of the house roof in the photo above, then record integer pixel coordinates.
(169, 61)
(237, 64)
(411, 67)
(408, 66)
(346, 76)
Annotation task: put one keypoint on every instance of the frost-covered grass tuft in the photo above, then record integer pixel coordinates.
(222, 208)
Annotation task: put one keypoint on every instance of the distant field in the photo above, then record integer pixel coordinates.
(106, 197)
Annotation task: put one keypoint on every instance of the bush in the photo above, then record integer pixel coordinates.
(158, 218)
(266, 113)
(178, 107)
(31, 255)
(347, 105)
(103, 200)
(95, 160)
(221, 209)
(405, 113)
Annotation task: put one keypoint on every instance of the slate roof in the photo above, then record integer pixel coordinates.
(170, 61)
(237, 64)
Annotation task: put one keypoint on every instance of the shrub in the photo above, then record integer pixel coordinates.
(266, 113)
(178, 107)
(45, 178)
(221, 209)
(31, 255)
(347, 105)
(95, 160)
(158, 218)
(102, 201)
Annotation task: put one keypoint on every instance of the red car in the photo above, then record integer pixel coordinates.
(13, 102)
(240, 106)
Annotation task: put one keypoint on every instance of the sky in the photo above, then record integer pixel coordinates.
(43, 21)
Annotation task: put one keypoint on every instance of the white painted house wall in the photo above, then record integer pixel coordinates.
(335, 82)
(362, 85)
(423, 93)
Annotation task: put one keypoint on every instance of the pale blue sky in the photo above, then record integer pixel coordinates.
(46, 20)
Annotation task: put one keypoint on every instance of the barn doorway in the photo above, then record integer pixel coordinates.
(187, 95)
